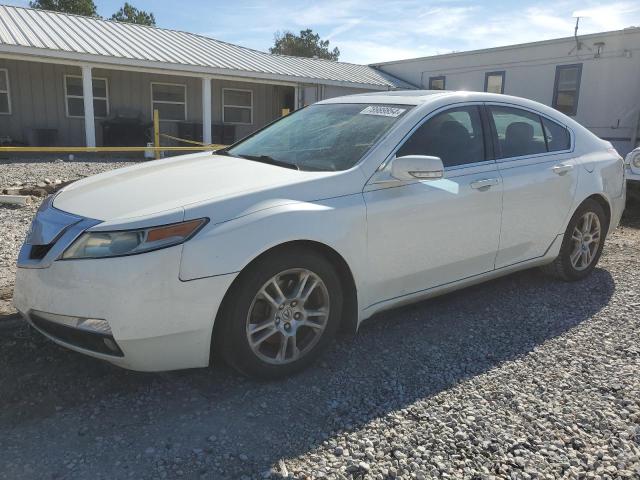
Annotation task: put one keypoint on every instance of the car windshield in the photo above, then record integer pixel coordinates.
(323, 137)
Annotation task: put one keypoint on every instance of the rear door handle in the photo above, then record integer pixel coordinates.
(484, 183)
(562, 168)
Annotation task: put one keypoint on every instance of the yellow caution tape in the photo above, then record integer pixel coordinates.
(193, 142)
(107, 149)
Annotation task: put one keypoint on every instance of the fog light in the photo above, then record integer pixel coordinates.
(111, 345)
(95, 325)
(89, 324)
(633, 159)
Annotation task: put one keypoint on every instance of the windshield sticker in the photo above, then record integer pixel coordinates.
(383, 111)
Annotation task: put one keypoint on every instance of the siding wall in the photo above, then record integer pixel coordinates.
(38, 101)
(609, 98)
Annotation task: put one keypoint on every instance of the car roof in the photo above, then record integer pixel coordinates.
(404, 97)
(419, 97)
(425, 100)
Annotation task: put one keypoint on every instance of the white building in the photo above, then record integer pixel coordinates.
(594, 78)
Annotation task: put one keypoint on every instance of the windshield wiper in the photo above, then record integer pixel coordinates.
(269, 160)
(222, 151)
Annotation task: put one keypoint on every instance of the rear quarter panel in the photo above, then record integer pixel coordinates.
(603, 175)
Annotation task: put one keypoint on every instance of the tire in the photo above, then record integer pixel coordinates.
(254, 311)
(565, 266)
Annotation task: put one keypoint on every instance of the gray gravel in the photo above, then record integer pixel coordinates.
(522, 377)
(14, 221)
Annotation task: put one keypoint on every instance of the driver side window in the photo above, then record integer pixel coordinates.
(454, 135)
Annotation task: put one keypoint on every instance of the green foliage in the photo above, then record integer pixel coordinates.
(77, 7)
(307, 44)
(131, 14)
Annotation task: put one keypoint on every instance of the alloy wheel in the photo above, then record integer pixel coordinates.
(288, 316)
(586, 241)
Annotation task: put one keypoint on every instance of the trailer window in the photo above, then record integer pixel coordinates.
(567, 88)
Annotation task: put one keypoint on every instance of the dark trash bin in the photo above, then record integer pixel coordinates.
(190, 131)
(223, 134)
(126, 129)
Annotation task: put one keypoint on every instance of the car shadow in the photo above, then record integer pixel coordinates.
(212, 418)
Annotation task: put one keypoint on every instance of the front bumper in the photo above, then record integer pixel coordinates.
(157, 321)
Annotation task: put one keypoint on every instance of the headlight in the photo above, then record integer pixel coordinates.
(633, 159)
(130, 242)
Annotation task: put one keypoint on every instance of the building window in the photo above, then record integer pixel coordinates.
(237, 106)
(5, 97)
(170, 99)
(75, 100)
(494, 82)
(567, 88)
(436, 83)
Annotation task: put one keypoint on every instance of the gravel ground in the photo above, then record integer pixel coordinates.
(521, 377)
(14, 221)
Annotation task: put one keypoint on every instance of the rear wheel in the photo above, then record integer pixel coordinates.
(281, 314)
(582, 243)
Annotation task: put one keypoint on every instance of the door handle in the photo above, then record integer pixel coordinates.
(562, 168)
(484, 183)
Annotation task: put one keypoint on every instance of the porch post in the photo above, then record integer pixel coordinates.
(296, 97)
(87, 94)
(206, 110)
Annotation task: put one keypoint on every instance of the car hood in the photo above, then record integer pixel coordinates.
(166, 185)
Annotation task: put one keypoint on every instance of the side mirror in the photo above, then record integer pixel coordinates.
(417, 167)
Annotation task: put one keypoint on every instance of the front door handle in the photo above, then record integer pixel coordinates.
(484, 183)
(562, 168)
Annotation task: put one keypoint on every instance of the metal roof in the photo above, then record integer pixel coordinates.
(45, 33)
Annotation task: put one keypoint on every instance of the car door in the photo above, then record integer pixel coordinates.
(423, 234)
(535, 160)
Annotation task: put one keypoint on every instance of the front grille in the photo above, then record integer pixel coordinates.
(39, 251)
(93, 341)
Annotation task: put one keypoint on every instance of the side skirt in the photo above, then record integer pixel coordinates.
(551, 253)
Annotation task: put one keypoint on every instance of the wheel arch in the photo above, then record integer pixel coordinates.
(603, 202)
(349, 316)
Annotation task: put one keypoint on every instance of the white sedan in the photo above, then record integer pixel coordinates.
(262, 251)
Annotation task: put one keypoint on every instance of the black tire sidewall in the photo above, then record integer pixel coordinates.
(234, 343)
(567, 245)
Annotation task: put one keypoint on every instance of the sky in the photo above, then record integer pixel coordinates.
(370, 31)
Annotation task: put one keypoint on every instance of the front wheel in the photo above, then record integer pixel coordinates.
(283, 311)
(582, 243)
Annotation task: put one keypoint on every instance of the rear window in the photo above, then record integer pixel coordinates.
(557, 136)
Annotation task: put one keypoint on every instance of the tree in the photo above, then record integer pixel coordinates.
(77, 7)
(307, 44)
(131, 14)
